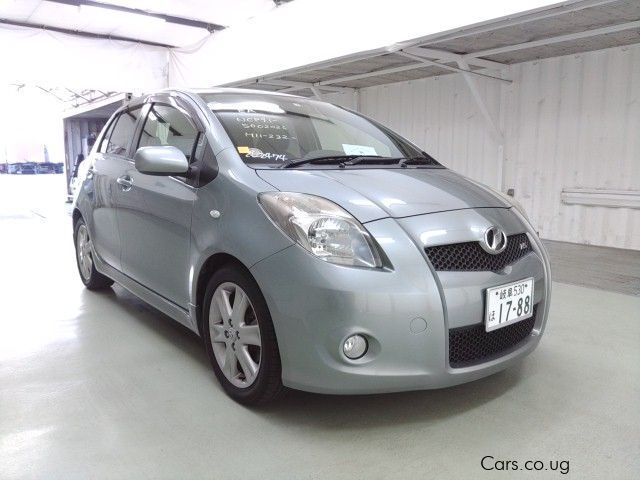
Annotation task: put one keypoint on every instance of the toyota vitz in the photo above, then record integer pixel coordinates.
(309, 246)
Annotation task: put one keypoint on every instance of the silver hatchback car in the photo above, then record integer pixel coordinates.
(309, 246)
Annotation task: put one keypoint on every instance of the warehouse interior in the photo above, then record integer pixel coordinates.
(538, 100)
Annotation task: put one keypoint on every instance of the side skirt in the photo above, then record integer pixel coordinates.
(167, 307)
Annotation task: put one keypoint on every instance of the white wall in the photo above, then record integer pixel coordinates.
(574, 121)
(569, 122)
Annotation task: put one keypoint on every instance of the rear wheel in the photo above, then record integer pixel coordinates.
(239, 338)
(91, 278)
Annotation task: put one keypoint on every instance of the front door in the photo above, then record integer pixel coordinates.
(110, 162)
(154, 212)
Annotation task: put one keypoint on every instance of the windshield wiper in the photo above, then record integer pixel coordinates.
(349, 160)
(322, 160)
(405, 162)
(341, 160)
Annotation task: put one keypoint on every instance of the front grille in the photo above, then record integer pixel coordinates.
(472, 345)
(470, 256)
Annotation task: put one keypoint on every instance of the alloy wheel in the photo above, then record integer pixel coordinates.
(83, 251)
(235, 335)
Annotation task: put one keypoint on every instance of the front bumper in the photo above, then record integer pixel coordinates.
(315, 305)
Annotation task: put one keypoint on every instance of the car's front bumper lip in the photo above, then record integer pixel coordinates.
(374, 380)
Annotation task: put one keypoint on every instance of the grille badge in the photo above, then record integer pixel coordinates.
(494, 240)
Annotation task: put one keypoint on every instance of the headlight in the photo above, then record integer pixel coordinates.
(322, 227)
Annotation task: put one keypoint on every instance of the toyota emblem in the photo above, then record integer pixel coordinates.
(494, 241)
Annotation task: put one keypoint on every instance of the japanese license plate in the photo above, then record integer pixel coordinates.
(508, 304)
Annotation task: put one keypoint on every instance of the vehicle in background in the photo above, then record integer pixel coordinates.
(23, 168)
(28, 169)
(45, 167)
(31, 168)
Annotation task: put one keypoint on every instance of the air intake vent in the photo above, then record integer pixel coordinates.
(472, 345)
(470, 256)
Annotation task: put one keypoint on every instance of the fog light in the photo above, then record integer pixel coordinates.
(355, 347)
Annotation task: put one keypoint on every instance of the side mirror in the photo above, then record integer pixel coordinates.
(163, 160)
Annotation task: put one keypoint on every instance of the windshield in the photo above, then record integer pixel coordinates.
(275, 130)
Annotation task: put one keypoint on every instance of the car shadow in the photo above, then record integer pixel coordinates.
(157, 323)
(338, 412)
(331, 412)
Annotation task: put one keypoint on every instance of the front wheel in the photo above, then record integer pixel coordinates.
(240, 339)
(91, 278)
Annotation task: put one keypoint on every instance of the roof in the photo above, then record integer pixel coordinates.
(560, 29)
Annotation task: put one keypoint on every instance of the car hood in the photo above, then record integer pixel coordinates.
(370, 194)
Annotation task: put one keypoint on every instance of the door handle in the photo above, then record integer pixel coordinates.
(125, 182)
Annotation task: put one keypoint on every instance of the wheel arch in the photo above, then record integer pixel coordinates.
(212, 264)
(76, 215)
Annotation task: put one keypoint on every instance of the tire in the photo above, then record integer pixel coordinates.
(91, 278)
(231, 339)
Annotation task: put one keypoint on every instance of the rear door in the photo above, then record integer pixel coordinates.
(111, 162)
(154, 214)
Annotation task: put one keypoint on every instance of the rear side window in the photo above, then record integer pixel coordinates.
(121, 133)
(166, 125)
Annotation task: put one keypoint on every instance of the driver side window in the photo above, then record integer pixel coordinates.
(166, 125)
(118, 137)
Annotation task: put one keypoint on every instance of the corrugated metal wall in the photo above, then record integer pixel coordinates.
(569, 122)
(574, 122)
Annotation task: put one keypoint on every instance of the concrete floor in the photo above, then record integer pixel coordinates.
(98, 385)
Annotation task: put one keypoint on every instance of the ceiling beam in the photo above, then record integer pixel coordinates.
(552, 40)
(316, 91)
(445, 56)
(290, 89)
(482, 106)
(402, 68)
(77, 95)
(120, 98)
(50, 92)
(210, 27)
(449, 67)
(82, 33)
(374, 73)
(302, 85)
